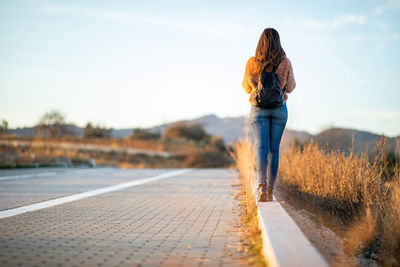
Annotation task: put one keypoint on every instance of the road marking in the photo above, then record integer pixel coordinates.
(25, 176)
(48, 174)
(62, 200)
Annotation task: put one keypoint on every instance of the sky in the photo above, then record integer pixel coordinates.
(126, 64)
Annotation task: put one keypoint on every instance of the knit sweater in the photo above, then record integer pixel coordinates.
(284, 71)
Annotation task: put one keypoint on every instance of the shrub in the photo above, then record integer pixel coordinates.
(96, 132)
(217, 142)
(143, 134)
(186, 131)
(209, 158)
(3, 127)
(52, 124)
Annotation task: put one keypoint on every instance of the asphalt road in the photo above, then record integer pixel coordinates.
(116, 217)
(26, 186)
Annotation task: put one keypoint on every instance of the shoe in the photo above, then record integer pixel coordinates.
(262, 193)
(269, 194)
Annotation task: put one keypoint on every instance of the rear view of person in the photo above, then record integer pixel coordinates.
(269, 120)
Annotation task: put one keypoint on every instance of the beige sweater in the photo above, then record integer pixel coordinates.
(284, 71)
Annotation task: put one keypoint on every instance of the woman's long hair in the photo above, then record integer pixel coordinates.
(269, 50)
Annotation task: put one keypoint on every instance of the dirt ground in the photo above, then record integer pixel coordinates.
(324, 232)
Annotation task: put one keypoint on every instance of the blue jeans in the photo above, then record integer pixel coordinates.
(268, 126)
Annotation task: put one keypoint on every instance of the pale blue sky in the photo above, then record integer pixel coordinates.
(142, 63)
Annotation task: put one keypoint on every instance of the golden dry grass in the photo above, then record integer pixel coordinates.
(368, 190)
(243, 154)
(44, 151)
(365, 190)
(25, 156)
(335, 174)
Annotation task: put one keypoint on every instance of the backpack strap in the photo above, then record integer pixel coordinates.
(273, 70)
(276, 67)
(263, 69)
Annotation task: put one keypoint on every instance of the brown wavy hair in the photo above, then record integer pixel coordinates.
(269, 50)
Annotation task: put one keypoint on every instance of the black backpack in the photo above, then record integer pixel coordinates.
(269, 93)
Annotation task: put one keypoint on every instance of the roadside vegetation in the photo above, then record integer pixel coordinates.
(363, 192)
(3, 127)
(57, 143)
(96, 131)
(243, 154)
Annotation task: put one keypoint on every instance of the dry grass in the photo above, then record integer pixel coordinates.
(243, 154)
(355, 186)
(334, 175)
(45, 152)
(173, 146)
(363, 192)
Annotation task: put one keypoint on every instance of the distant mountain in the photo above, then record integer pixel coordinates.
(232, 128)
(229, 128)
(360, 141)
(120, 133)
(290, 135)
(31, 131)
(25, 131)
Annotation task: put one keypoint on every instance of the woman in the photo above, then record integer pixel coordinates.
(268, 124)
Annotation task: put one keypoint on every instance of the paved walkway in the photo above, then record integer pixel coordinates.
(187, 220)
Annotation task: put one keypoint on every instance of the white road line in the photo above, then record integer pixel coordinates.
(25, 176)
(48, 174)
(62, 200)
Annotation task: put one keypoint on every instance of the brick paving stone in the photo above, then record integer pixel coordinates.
(186, 220)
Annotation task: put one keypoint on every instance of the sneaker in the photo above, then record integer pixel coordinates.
(269, 194)
(262, 193)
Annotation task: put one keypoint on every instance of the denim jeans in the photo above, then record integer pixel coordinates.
(268, 126)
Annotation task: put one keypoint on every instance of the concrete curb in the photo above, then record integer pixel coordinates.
(283, 242)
